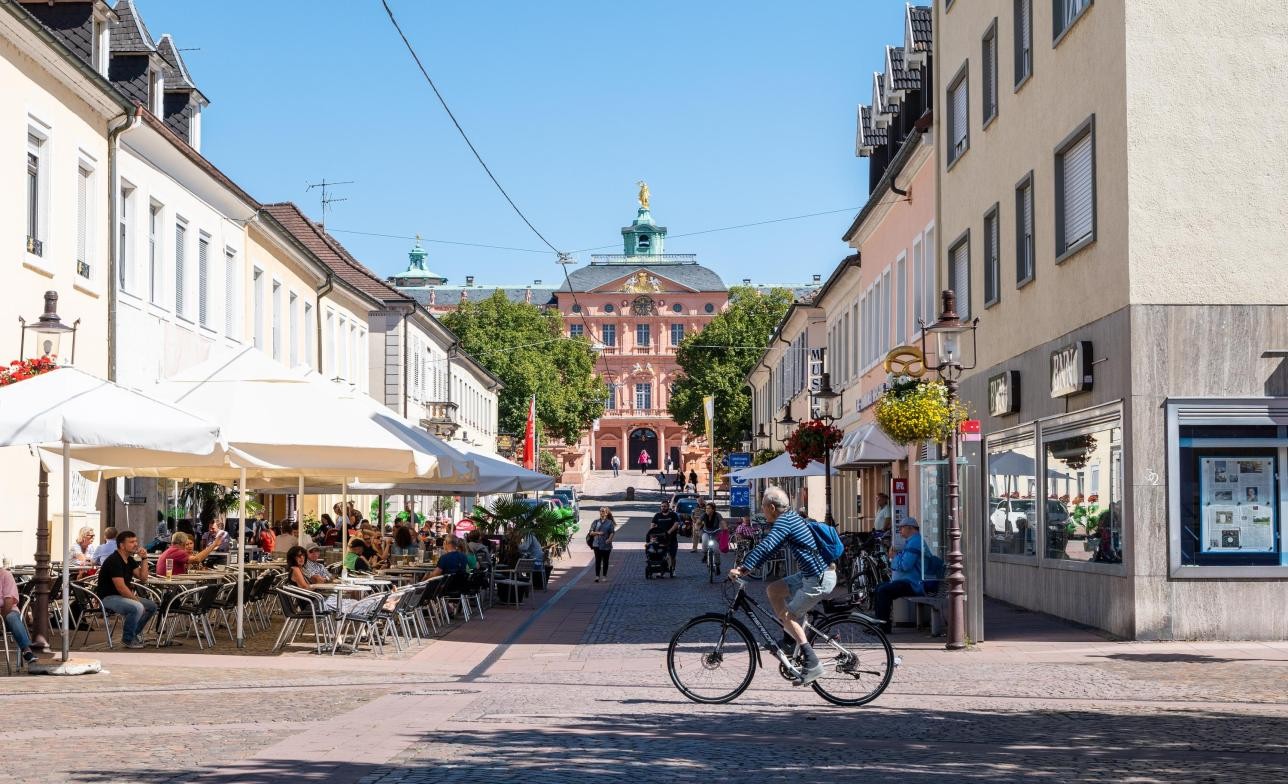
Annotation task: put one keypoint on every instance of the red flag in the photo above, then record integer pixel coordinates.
(530, 437)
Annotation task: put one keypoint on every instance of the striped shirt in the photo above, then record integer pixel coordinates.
(789, 528)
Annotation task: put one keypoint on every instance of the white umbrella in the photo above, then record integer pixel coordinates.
(781, 467)
(278, 424)
(99, 421)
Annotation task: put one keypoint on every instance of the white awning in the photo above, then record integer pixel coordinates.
(867, 445)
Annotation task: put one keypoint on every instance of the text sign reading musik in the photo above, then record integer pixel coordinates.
(1071, 369)
(1004, 393)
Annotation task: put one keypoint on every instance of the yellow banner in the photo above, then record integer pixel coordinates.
(709, 410)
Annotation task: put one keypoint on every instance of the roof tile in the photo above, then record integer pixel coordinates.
(129, 34)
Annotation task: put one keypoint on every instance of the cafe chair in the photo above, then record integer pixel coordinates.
(517, 582)
(189, 608)
(364, 618)
(93, 614)
(301, 607)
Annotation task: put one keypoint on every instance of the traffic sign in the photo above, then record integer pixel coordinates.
(739, 497)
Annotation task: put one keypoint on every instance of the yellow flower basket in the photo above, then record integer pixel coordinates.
(914, 411)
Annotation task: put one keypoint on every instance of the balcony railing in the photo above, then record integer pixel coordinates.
(35, 247)
(625, 413)
(620, 258)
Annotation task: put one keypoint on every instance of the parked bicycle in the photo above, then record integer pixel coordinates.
(713, 657)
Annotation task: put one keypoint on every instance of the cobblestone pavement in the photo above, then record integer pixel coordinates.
(576, 691)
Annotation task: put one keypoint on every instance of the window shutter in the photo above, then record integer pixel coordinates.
(180, 251)
(203, 282)
(959, 119)
(82, 220)
(230, 293)
(1023, 38)
(1025, 255)
(990, 258)
(961, 278)
(989, 67)
(1079, 201)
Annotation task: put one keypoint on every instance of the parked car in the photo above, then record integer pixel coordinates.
(556, 504)
(684, 504)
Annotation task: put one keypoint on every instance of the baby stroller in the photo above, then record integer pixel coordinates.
(657, 559)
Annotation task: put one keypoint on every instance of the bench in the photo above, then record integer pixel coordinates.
(937, 602)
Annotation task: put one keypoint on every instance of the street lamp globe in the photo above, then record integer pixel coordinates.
(49, 329)
(948, 333)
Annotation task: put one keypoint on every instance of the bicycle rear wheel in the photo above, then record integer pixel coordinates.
(711, 661)
(858, 661)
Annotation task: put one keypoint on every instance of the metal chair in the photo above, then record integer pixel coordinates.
(518, 582)
(300, 607)
(364, 616)
(191, 605)
(428, 608)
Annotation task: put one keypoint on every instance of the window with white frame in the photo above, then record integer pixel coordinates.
(886, 297)
(642, 335)
(992, 258)
(932, 276)
(342, 348)
(293, 331)
(328, 345)
(901, 299)
(643, 396)
(275, 305)
(1025, 247)
(308, 333)
(677, 334)
(180, 267)
(1064, 13)
(1075, 190)
(1023, 14)
(154, 252)
(257, 308)
(37, 190)
(959, 274)
(203, 280)
(156, 92)
(958, 116)
(988, 64)
(125, 237)
(230, 294)
(84, 220)
(918, 284)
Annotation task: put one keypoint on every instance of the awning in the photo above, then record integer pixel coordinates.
(780, 468)
(866, 445)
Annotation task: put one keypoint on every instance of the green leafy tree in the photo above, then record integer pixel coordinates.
(749, 321)
(524, 347)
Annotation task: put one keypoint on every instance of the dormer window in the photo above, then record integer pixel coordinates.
(100, 46)
(156, 92)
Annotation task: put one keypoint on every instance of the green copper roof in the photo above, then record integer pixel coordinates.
(416, 268)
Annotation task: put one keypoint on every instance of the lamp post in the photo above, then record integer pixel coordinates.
(50, 329)
(822, 400)
(948, 332)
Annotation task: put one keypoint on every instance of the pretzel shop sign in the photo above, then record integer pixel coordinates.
(1071, 369)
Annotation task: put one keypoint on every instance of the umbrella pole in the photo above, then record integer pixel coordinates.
(299, 510)
(67, 507)
(241, 557)
(344, 534)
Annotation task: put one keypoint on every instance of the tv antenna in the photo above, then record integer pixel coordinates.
(327, 199)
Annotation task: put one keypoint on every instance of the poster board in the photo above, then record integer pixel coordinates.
(1237, 504)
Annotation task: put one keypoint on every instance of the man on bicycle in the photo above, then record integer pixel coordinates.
(797, 593)
(669, 521)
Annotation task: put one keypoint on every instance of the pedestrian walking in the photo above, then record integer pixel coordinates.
(668, 465)
(616, 464)
(693, 479)
(644, 461)
(602, 532)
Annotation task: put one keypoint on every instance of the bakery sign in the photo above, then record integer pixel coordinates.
(1004, 393)
(1071, 369)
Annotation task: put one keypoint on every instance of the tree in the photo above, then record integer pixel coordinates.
(525, 347)
(745, 327)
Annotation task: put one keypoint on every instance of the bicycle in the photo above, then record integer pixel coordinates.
(858, 660)
(711, 555)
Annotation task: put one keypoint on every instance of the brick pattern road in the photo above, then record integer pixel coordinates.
(576, 690)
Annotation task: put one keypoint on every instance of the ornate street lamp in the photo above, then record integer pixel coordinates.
(821, 401)
(761, 438)
(49, 330)
(787, 424)
(948, 333)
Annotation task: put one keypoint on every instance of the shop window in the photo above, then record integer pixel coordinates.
(1225, 504)
(1082, 523)
(1013, 495)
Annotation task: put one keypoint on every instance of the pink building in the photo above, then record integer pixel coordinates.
(638, 306)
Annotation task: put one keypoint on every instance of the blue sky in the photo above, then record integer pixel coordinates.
(733, 113)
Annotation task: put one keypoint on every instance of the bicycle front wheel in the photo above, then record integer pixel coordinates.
(858, 661)
(711, 660)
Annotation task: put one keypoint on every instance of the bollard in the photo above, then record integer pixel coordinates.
(630, 494)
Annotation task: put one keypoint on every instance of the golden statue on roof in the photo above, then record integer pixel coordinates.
(643, 193)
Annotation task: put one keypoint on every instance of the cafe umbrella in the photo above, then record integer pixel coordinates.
(77, 414)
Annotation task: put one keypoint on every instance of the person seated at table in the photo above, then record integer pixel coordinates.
(81, 552)
(12, 618)
(405, 544)
(106, 548)
(452, 561)
(314, 569)
(354, 560)
(162, 539)
(286, 539)
(474, 544)
(299, 578)
(329, 532)
(116, 587)
(372, 548)
(181, 556)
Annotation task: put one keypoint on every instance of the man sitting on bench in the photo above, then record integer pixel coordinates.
(905, 568)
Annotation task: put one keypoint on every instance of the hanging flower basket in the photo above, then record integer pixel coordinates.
(912, 411)
(19, 370)
(812, 441)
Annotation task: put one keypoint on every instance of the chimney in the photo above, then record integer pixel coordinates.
(818, 278)
(469, 280)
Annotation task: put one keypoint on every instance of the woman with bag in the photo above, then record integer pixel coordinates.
(601, 541)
